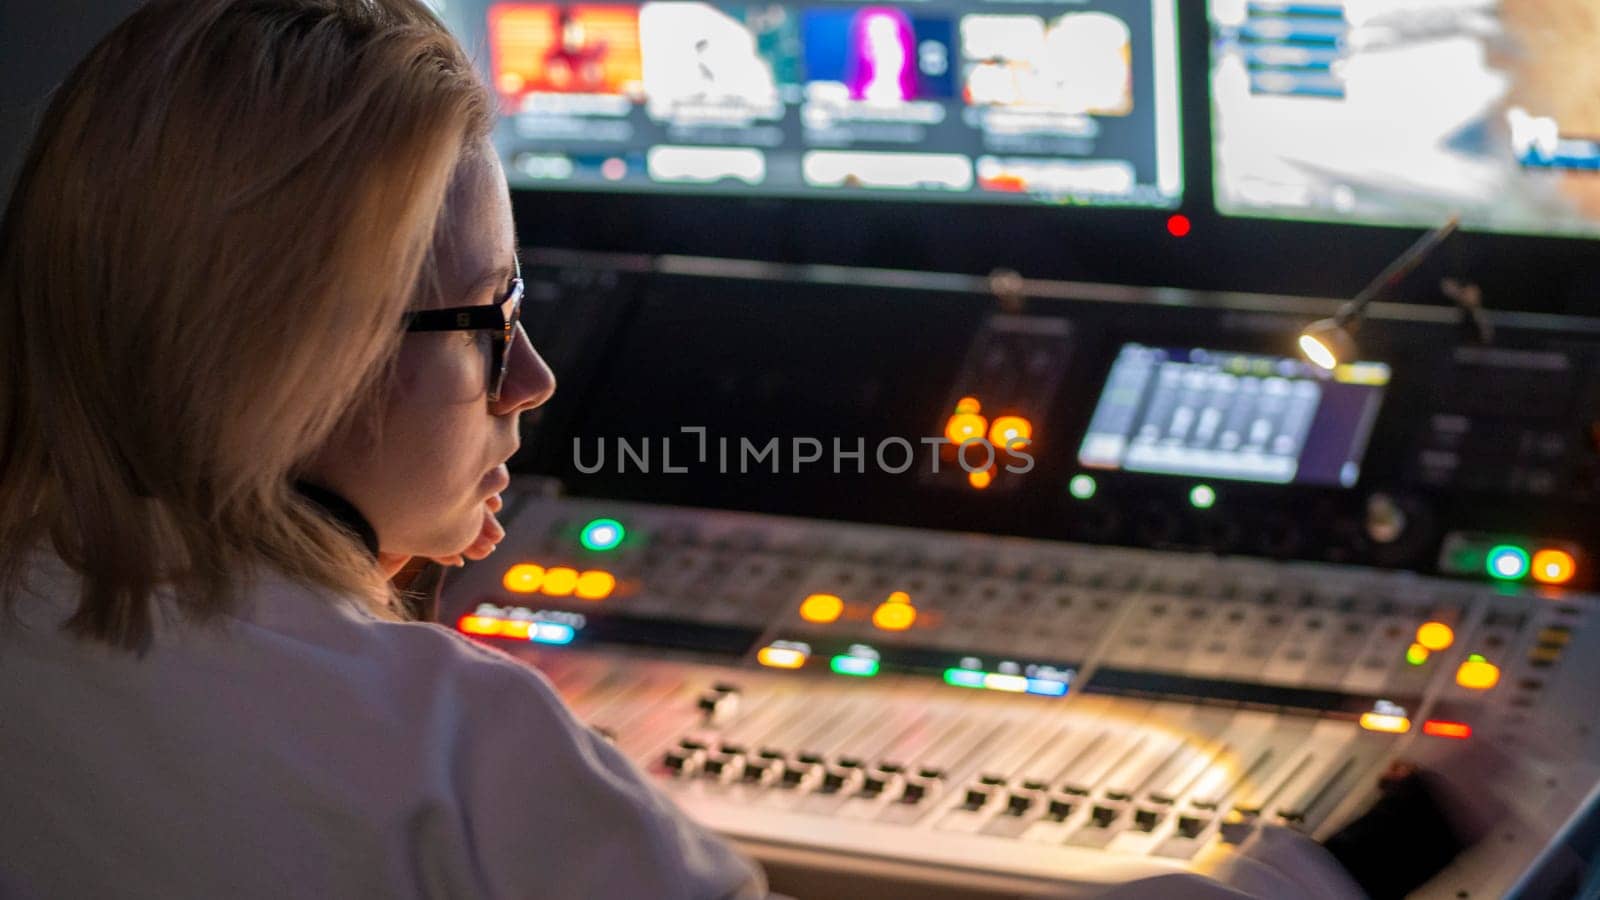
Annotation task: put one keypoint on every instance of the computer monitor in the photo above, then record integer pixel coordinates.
(1402, 112)
(971, 100)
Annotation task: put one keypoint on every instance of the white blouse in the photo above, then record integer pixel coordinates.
(302, 748)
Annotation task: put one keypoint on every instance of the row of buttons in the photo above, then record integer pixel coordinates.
(802, 771)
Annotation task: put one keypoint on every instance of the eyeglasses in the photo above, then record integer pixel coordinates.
(499, 318)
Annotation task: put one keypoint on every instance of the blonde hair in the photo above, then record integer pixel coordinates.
(203, 270)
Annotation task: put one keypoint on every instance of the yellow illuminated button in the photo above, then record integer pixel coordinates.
(821, 608)
(1416, 654)
(524, 578)
(895, 613)
(969, 405)
(781, 658)
(1014, 684)
(1478, 674)
(560, 581)
(964, 427)
(1436, 636)
(1553, 567)
(515, 628)
(1008, 429)
(1388, 724)
(980, 479)
(595, 585)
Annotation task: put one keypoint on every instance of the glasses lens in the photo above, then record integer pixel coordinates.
(511, 310)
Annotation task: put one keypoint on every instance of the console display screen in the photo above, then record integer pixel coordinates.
(1246, 417)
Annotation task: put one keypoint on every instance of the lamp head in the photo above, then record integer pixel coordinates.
(1326, 344)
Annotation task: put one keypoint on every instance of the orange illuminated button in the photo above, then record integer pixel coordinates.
(560, 581)
(484, 625)
(895, 613)
(781, 657)
(524, 578)
(1436, 636)
(964, 427)
(980, 478)
(1553, 566)
(821, 608)
(595, 585)
(515, 628)
(1007, 430)
(968, 405)
(1386, 723)
(1478, 674)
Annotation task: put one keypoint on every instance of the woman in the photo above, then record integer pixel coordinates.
(230, 409)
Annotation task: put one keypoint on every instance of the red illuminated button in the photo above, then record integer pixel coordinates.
(1439, 728)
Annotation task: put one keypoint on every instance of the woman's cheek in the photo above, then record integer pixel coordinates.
(440, 373)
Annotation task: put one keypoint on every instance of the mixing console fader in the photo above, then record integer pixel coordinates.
(1014, 716)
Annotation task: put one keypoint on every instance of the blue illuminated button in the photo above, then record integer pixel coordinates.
(1046, 687)
(602, 534)
(1507, 562)
(552, 633)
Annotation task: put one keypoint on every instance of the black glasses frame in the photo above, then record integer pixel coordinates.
(502, 317)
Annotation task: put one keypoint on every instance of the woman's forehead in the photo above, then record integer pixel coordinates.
(475, 236)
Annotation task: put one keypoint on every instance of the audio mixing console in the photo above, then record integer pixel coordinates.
(1020, 715)
(1225, 591)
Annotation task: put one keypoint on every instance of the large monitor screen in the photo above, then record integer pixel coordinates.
(1401, 112)
(1069, 102)
(1246, 417)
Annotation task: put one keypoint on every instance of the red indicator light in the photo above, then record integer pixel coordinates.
(1438, 728)
(1178, 225)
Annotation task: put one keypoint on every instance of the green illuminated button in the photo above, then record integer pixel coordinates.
(1082, 486)
(859, 666)
(1202, 496)
(1507, 562)
(602, 534)
(963, 678)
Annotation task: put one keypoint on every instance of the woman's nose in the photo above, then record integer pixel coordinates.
(529, 382)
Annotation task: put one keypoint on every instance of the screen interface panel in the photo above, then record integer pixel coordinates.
(1240, 416)
(1072, 102)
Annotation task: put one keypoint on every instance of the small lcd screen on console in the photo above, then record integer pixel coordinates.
(995, 101)
(1241, 416)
